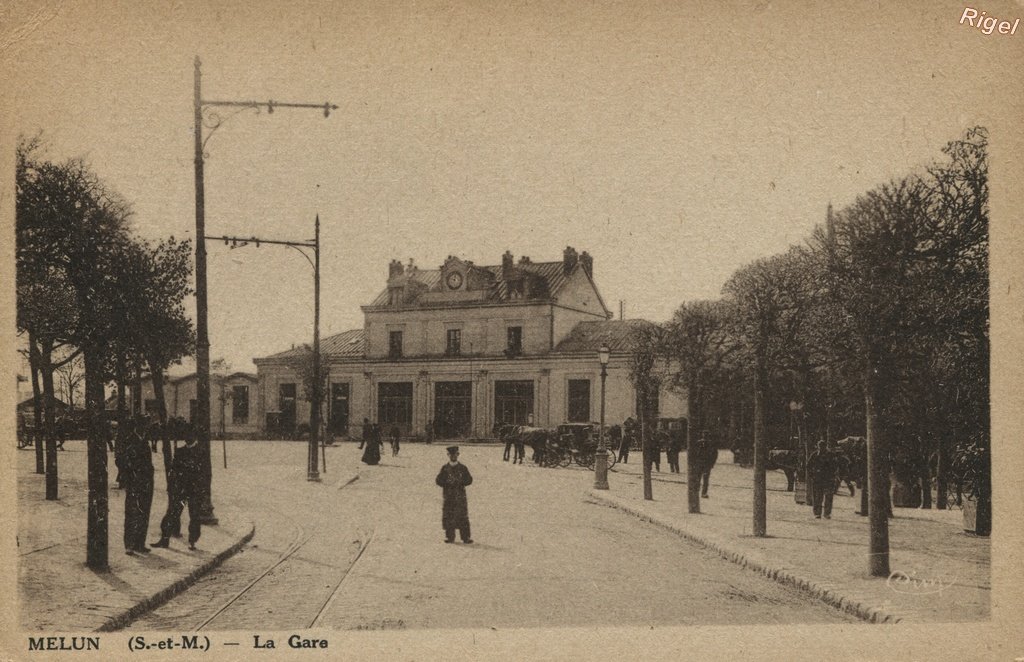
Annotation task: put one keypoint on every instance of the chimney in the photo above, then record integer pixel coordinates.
(569, 259)
(588, 263)
(395, 269)
(506, 265)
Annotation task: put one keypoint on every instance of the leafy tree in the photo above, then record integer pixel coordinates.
(770, 303)
(874, 272)
(647, 344)
(697, 344)
(153, 286)
(46, 304)
(71, 234)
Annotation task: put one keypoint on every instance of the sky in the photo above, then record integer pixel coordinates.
(674, 141)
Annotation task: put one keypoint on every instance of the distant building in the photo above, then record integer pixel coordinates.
(232, 402)
(463, 347)
(27, 407)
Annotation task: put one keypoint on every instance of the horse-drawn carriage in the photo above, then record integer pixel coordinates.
(558, 447)
(581, 441)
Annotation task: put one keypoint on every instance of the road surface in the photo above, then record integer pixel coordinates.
(370, 554)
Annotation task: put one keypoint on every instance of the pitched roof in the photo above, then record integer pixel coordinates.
(552, 273)
(30, 402)
(214, 376)
(589, 336)
(347, 344)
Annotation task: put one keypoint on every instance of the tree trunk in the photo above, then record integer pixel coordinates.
(37, 403)
(645, 455)
(122, 417)
(692, 461)
(98, 512)
(926, 484)
(760, 452)
(137, 409)
(942, 476)
(878, 475)
(161, 410)
(49, 402)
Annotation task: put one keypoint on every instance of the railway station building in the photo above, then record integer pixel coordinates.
(463, 347)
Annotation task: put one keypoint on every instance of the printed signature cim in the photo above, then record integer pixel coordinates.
(902, 582)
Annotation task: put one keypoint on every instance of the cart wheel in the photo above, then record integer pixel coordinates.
(565, 460)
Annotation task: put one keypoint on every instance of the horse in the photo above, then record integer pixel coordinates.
(852, 463)
(520, 436)
(785, 460)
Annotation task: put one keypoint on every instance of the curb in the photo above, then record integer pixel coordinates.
(159, 598)
(831, 596)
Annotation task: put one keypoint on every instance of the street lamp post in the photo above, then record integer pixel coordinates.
(202, 333)
(601, 457)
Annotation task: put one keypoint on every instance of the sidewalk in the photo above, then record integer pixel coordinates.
(58, 593)
(941, 574)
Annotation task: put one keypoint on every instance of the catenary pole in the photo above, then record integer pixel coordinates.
(202, 333)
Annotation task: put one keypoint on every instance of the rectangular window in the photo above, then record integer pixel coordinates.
(579, 401)
(286, 405)
(453, 346)
(515, 341)
(394, 406)
(151, 406)
(240, 404)
(513, 402)
(395, 344)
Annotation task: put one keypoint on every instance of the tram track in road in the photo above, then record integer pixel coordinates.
(305, 571)
(293, 547)
(288, 576)
(318, 619)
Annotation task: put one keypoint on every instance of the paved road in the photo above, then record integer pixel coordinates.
(544, 555)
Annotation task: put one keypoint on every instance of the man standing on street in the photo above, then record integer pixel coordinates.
(453, 479)
(138, 497)
(628, 435)
(185, 483)
(821, 467)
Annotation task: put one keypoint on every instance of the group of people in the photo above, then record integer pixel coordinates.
(661, 442)
(372, 442)
(134, 458)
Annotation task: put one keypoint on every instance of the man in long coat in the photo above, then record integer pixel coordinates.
(821, 466)
(186, 471)
(453, 479)
(138, 498)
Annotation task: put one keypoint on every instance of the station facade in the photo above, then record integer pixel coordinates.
(461, 348)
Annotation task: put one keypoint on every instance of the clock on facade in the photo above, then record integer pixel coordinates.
(454, 280)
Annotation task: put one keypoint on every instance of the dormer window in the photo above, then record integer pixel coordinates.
(395, 296)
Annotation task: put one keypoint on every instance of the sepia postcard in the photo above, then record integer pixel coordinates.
(532, 331)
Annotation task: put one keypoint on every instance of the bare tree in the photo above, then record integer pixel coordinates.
(70, 377)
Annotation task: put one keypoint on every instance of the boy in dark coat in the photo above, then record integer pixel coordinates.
(453, 479)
